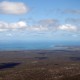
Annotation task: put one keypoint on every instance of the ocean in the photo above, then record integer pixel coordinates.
(36, 45)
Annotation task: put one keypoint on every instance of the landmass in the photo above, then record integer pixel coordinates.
(63, 64)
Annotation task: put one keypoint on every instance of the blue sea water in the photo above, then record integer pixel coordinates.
(35, 45)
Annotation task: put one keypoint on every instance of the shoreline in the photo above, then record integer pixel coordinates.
(63, 48)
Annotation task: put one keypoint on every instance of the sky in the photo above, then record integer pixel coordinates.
(39, 20)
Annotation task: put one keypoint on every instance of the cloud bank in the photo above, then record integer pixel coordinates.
(49, 26)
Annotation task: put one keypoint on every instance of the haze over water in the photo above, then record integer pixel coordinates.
(36, 45)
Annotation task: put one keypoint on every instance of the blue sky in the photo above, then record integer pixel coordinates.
(34, 20)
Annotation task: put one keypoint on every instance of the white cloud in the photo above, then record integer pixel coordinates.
(23, 25)
(7, 7)
(4, 26)
(38, 28)
(18, 25)
(67, 27)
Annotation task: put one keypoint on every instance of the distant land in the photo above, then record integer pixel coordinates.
(40, 64)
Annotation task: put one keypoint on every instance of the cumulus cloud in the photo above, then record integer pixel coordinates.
(4, 26)
(18, 25)
(67, 27)
(7, 7)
